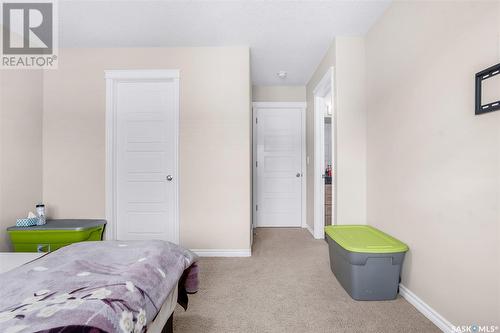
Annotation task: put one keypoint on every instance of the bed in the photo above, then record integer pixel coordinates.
(95, 287)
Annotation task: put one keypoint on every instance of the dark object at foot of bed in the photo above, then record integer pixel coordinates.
(169, 326)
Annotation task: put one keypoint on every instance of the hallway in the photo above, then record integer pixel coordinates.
(277, 290)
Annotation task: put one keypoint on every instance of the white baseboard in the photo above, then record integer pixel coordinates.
(223, 252)
(312, 232)
(431, 314)
(278, 226)
(309, 229)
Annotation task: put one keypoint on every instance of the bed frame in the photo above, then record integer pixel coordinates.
(169, 325)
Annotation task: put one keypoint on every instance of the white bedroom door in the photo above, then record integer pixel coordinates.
(278, 166)
(146, 113)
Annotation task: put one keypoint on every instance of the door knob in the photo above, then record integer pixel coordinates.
(169, 178)
(298, 174)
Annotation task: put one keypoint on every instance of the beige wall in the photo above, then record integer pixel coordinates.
(349, 100)
(20, 146)
(433, 166)
(346, 55)
(215, 120)
(279, 94)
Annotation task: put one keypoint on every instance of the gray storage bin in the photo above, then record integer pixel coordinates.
(367, 276)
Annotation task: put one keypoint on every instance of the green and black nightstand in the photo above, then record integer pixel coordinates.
(55, 234)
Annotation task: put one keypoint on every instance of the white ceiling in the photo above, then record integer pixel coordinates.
(282, 35)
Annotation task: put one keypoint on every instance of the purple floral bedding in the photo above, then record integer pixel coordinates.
(108, 286)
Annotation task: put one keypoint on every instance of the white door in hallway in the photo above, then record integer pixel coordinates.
(146, 120)
(279, 145)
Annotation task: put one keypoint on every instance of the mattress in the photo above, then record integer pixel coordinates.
(11, 260)
(165, 312)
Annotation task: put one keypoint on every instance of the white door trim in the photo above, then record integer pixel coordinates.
(322, 89)
(142, 74)
(279, 105)
(223, 252)
(112, 77)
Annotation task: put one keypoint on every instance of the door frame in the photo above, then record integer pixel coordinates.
(112, 77)
(322, 89)
(279, 105)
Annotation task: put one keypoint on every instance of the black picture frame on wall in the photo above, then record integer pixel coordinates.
(486, 74)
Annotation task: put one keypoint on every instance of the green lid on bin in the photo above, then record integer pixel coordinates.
(364, 239)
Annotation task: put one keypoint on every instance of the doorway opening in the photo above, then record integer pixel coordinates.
(324, 155)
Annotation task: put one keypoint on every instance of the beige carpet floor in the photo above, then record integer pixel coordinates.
(286, 286)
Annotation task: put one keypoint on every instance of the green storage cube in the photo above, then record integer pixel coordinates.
(55, 234)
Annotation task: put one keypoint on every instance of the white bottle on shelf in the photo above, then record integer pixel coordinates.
(40, 210)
